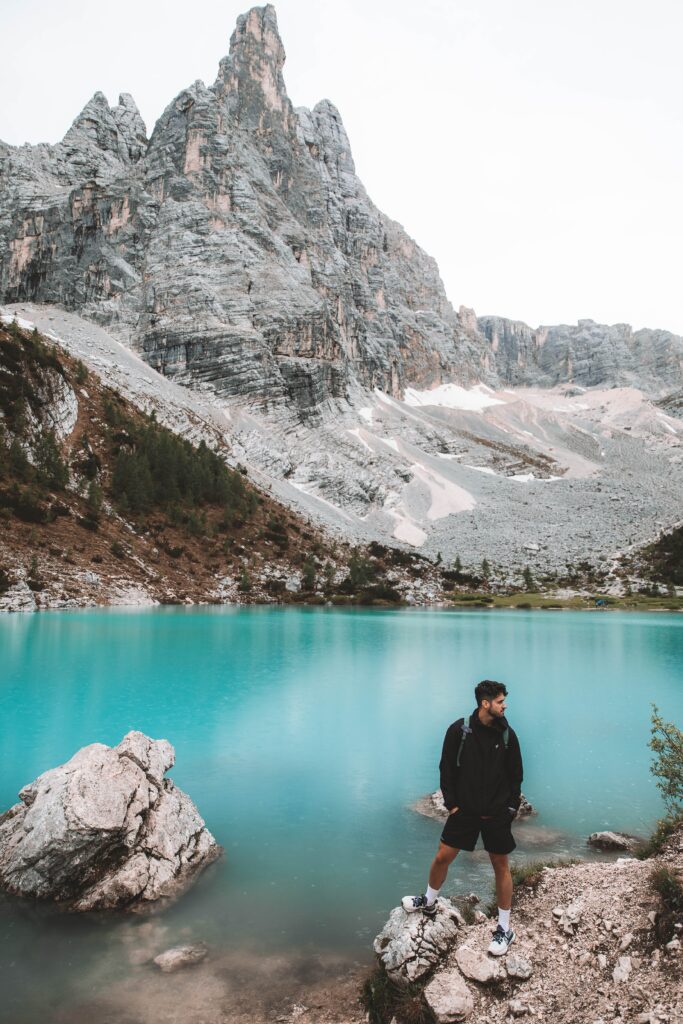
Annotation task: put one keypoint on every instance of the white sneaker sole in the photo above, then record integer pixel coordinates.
(410, 909)
(501, 952)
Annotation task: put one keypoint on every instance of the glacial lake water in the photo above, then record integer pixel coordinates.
(304, 736)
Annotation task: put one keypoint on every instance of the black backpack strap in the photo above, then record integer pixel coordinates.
(464, 733)
(506, 736)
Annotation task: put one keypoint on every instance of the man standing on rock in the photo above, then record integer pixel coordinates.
(481, 779)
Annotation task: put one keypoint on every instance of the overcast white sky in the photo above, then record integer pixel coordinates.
(534, 148)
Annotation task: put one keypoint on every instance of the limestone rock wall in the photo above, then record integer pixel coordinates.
(236, 247)
(587, 354)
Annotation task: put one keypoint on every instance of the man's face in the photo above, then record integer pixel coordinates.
(495, 707)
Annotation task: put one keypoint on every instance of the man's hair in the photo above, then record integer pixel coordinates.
(488, 689)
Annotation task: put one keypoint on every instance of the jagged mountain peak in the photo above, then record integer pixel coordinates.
(119, 131)
(250, 77)
(238, 250)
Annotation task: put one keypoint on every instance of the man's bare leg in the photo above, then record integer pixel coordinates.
(445, 856)
(501, 868)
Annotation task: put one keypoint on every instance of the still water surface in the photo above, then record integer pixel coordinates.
(304, 735)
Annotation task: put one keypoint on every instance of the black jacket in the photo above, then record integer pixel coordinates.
(489, 778)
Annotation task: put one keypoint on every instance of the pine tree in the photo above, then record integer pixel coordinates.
(457, 565)
(328, 573)
(52, 470)
(485, 569)
(360, 570)
(528, 579)
(308, 575)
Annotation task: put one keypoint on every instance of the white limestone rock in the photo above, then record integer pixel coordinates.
(568, 918)
(517, 1008)
(612, 841)
(476, 966)
(622, 970)
(18, 598)
(517, 966)
(104, 830)
(410, 945)
(449, 997)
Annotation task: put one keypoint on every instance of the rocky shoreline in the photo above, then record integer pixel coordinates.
(594, 943)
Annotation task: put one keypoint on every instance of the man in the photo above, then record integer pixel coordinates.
(481, 779)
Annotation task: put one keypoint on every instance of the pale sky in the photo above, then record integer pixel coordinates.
(534, 148)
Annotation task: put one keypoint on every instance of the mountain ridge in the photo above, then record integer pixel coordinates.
(236, 247)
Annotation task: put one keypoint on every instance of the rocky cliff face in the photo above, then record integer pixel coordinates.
(587, 354)
(236, 247)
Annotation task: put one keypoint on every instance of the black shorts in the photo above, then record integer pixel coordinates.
(462, 831)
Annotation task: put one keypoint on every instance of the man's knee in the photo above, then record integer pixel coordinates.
(500, 862)
(446, 854)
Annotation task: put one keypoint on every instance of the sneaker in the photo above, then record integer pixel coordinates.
(411, 904)
(501, 941)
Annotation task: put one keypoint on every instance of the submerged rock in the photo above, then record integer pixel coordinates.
(180, 956)
(432, 806)
(105, 830)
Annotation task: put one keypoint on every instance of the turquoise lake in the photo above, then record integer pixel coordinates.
(304, 736)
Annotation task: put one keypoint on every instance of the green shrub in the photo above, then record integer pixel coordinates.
(27, 503)
(380, 592)
(117, 549)
(667, 883)
(654, 845)
(666, 742)
(5, 582)
(530, 873)
(384, 1000)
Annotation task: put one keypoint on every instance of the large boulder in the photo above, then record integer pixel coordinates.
(410, 945)
(105, 830)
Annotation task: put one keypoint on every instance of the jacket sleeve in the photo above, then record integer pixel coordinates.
(515, 769)
(448, 769)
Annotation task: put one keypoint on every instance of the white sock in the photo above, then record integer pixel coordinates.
(431, 894)
(504, 919)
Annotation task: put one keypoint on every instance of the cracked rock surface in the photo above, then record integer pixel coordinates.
(410, 945)
(105, 830)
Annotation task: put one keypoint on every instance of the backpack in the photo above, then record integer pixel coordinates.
(465, 731)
